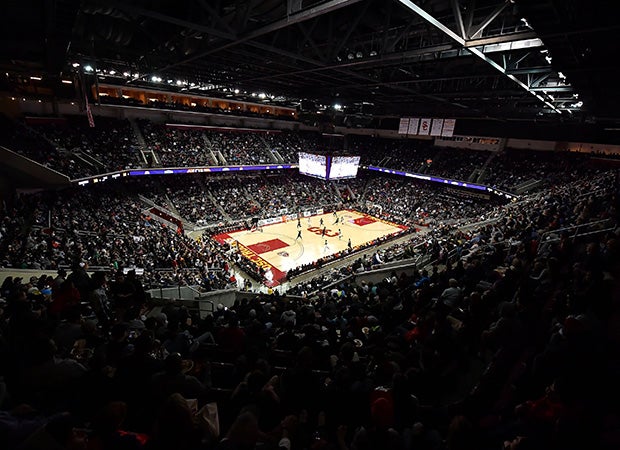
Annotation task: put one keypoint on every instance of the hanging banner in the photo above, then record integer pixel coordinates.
(403, 126)
(448, 127)
(425, 127)
(414, 122)
(436, 127)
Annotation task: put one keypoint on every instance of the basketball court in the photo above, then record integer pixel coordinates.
(277, 247)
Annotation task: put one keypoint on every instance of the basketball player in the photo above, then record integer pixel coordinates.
(339, 234)
(321, 222)
(298, 222)
(323, 232)
(326, 248)
(298, 234)
(349, 244)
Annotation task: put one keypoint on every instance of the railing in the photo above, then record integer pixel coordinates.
(544, 236)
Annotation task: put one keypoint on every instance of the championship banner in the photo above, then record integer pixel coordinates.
(425, 127)
(436, 127)
(403, 126)
(448, 127)
(414, 123)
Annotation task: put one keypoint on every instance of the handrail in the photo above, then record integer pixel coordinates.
(589, 233)
(572, 227)
(585, 194)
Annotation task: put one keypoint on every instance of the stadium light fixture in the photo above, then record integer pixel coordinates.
(88, 68)
(112, 72)
(36, 78)
(337, 106)
(75, 64)
(67, 81)
(262, 95)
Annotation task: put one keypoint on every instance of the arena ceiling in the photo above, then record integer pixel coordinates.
(463, 58)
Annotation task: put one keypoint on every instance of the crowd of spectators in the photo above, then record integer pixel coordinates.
(110, 229)
(401, 154)
(177, 147)
(288, 144)
(240, 147)
(514, 167)
(111, 143)
(467, 161)
(22, 139)
(71, 146)
(511, 344)
(417, 203)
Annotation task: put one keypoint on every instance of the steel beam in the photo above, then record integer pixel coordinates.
(301, 16)
(537, 81)
(502, 38)
(490, 18)
(456, 10)
(530, 70)
(552, 89)
(430, 19)
(308, 38)
(352, 26)
(234, 40)
(475, 51)
(215, 14)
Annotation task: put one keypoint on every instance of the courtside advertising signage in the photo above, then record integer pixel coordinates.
(179, 170)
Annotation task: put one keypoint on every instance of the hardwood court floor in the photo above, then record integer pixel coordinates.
(277, 249)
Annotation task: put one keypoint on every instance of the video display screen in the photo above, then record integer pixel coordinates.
(313, 165)
(344, 167)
